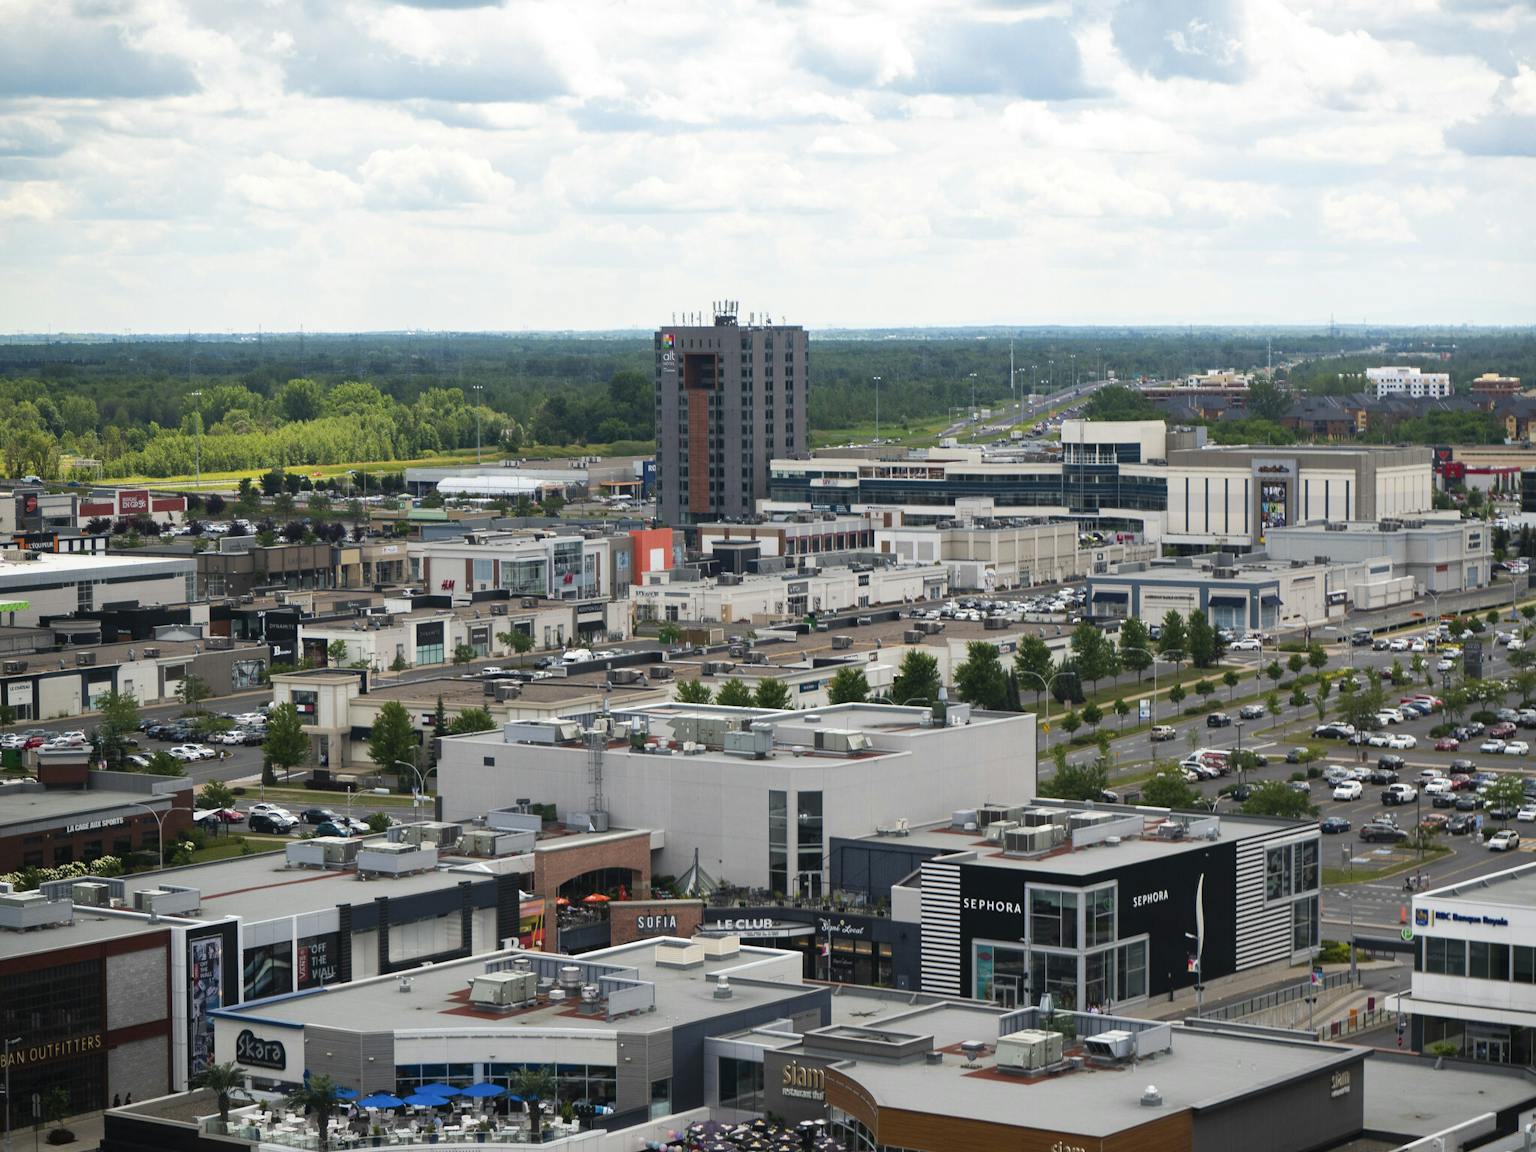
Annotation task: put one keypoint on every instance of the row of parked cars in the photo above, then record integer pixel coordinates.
(274, 819)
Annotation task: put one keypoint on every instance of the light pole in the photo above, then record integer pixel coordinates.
(1046, 686)
(421, 781)
(877, 409)
(477, 389)
(197, 451)
(10, 1043)
(159, 826)
(975, 420)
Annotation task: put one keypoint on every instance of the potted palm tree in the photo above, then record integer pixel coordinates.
(532, 1084)
(319, 1095)
(225, 1081)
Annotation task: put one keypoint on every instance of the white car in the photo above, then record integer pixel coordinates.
(1402, 740)
(1349, 790)
(233, 736)
(266, 807)
(1526, 814)
(1397, 645)
(1491, 746)
(192, 752)
(1504, 841)
(1418, 646)
(1378, 740)
(1437, 786)
(1446, 665)
(139, 761)
(1246, 644)
(1517, 748)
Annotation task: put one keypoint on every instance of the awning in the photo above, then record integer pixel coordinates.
(1230, 601)
(1111, 597)
(751, 929)
(1269, 598)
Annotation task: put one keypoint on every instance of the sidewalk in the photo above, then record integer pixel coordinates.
(1244, 985)
(87, 1128)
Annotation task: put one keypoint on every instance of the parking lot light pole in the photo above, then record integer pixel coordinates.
(159, 834)
(421, 781)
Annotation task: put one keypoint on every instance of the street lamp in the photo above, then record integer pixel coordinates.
(159, 830)
(197, 452)
(1239, 757)
(421, 781)
(477, 389)
(877, 409)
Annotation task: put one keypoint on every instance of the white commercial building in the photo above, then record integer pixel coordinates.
(759, 796)
(1440, 554)
(730, 597)
(561, 566)
(1474, 972)
(38, 584)
(1399, 380)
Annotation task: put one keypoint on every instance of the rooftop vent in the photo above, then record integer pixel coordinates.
(1151, 1097)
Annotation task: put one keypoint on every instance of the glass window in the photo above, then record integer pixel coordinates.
(1487, 961)
(808, 832)
(1098, 978)
(778, 841)
(741, 1084)
(1304, 924)
(661, 1098)
(1306, 866)
(1131, 970)
(1525, 964)
(998, 973)
(483, 571)
(1099, 924)
(1054, 974)
(1277, 873)
(1052, 918)
(1445, 957)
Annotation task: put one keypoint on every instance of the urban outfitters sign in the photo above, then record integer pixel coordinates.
(25, 1055)
(803, 1083)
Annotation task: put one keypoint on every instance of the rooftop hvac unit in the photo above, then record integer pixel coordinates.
(756, 744)
(151, 651)
(507, 690)
(992, 813)
(542, 732)
(488, 687)
(21, 910)
(844, 740)
(1029, 1051)
(757, 657)
(912, 636)
(1117, 1044)
(498, 609)
(1034, 817)
(92, 893)
(1170, 830)
(626, 676)
(963, 817)
(1031, 841)
(14, 666)
(995, 623)
(1089, 819)
(995, 830)
(85, 659)
(504, 991)
(662, 672)
(480, 842)
(395, 859)
(529, 601)
(841, 642)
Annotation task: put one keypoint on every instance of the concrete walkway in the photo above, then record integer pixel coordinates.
(87, 1128)
(1244, 985)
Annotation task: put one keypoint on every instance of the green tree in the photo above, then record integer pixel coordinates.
(917, 678)
(1135, 647)
(1525, 684)
(162, 763)
(1320, 697)
(463, 653)
(1083, 781)
(1122, 710)
(1093, 715)
(517, 640)
(1299, 697)
(1203, 650)
(1274, 671)
(471, 720)
(669, 634)
(848, 686)
(734, 694)
(980, 679)
(1169, 790)
(1505, 796)
(1359, 707)
(1204, 688)
(693, 692)
(119, 721)
(377, 822)
(1272, 702)
(1177, 695)
(1173, 643)
(226, 1082)
(1034, 664)
(320, 1097)
(1094, 654)
(336, 653)
(216, 794)
(287, 744)
(1274, 798)
(1230, 679)
(772, 693)
(393, 742)
(1317, 657)
(194, 690)
(1070, 723)
(533, 1084)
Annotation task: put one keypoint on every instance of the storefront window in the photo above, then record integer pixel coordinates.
(1100, 924)
(525, 577)
(809, 842)
(1445, 957)
(998, 973)
(1525, 964)
(1131, 970)
(1277, 873)
(1487, 961)
(1304, 925)
(1052, 918)
(741, 1084)
(778, 842)
(1055, 975)
(1098, 978)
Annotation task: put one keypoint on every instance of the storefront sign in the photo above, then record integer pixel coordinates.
(841, 928)
(258, 1053)
(1464, 918)
(802, 1082)
(317, 960)
(1340, 1084)
(743, 925)
(979, 904)
(92, 825)
(1149, 898)
(662, 923)
(23, 1055)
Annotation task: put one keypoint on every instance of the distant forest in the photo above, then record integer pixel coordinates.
(284, 399)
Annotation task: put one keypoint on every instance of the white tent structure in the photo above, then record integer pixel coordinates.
(492, 486)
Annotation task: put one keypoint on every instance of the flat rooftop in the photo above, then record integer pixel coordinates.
(1203, 1069)
(49, 567)
(469, 691)
(90, 926)
(1514, 887)
(1089, 860)
(28, 807)
(1405, 1096)
(438, 996)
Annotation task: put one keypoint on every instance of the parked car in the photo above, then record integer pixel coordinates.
(1295, 755)
(267, 807)
(317, 816)
(1526, 813)
(1399, 794)
(1491, 746)
(1333, 825)
(1504, 840)
(1251, 711)
(1246, 644)
(1348, 790)
(1380, 775)
(1447, 744)
(1218, 720)
(1376, 832)
(1503, 730)
(271, 822)
(334, 828)
(1460, 824)
(1402, 740)
(1517, 748)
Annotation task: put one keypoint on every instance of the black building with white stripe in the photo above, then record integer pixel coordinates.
(1099, 907)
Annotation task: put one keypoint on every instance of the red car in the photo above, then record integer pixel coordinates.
(1502, 731)
(229, 815)
(33, 742)
(1447, 744)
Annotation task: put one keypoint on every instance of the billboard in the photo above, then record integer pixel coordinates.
(317, 961)
(133, 502)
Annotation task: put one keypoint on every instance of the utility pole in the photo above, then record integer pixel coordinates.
(877, 409)
(197, 451)
(477, 389)
(10, 1043)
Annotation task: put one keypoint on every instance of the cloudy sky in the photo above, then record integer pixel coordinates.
(168, 165)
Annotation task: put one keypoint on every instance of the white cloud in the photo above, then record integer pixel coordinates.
(219, 163)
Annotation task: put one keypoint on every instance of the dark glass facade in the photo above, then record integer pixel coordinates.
(1085, 488)
(60, 1017)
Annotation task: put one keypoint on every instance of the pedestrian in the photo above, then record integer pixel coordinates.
(117, 1099)
(128, 1099)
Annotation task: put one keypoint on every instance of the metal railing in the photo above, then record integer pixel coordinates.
(1277, 998)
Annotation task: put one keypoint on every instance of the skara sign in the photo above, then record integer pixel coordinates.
(258, 1053)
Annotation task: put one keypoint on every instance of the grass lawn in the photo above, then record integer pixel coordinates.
(913, 434)
(223, 847)
(362, 802)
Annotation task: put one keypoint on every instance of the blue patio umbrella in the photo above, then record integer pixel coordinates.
(483, 1091)
(514, 1097)
(346, 1093)
(426, 1100)
(444, 1090)
(381, 1100)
